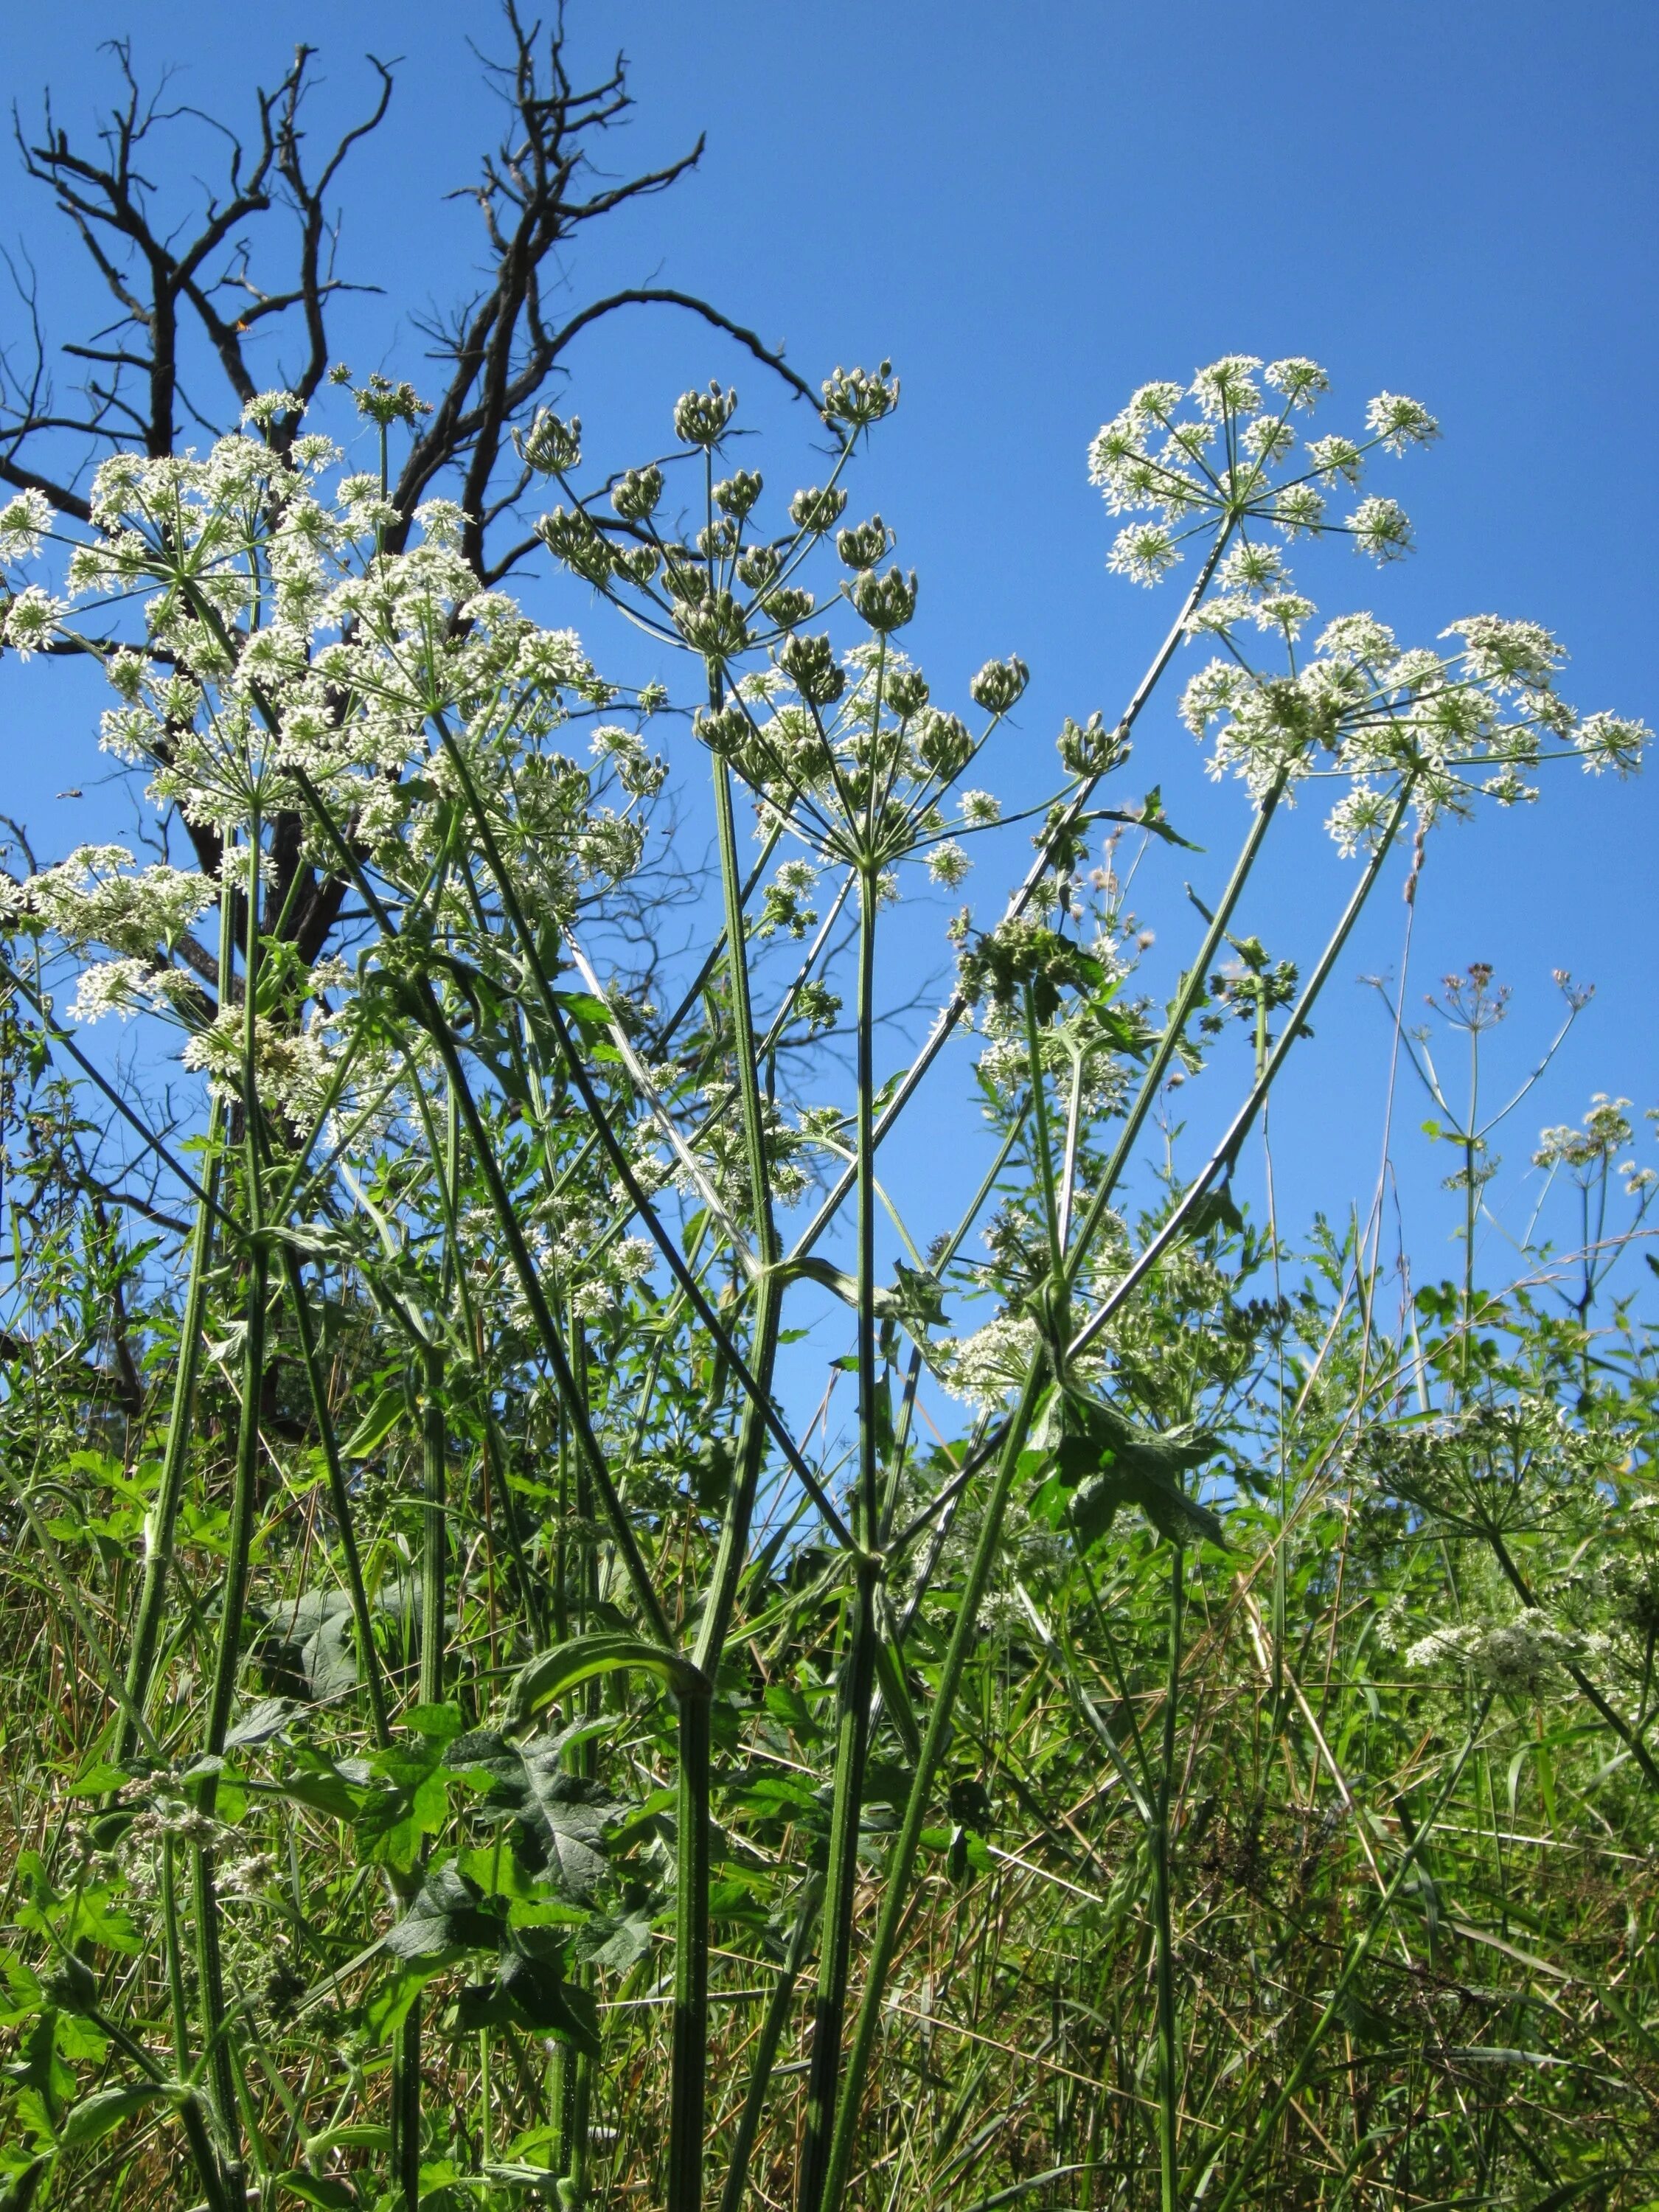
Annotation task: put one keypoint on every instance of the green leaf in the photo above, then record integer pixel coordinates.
(314, 2189)
(96, 2116)
(262, 1721)
(580, 1660)
(377, 1424)
(445, 1920)
(545, 2000)
(1100, 1462)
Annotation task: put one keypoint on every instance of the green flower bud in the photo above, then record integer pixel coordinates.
(759, 567)
(810, 664)
(685, 579)
(788, 608)
(637, 562)
(638, 494)
(818, 510)
(907, 692)
(725, 731)
(549, 445)
(855, 398)
(888, 602)
(1000, 683)
(863, 544)
(943, 743)
(572, 538)
(1017, 953)
(716, 540)
(700, 417)
(1091, 749)
(713, 626)
(738, 494)
(386, 403)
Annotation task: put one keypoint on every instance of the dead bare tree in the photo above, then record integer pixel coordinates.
(194, 289)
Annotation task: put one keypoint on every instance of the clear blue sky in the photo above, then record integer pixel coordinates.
(1032, 209)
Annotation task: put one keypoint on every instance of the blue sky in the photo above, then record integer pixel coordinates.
(1031, 211)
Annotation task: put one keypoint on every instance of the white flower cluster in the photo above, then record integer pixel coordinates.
(983, 1369)
(1517, 1658)
(1232, 461)
(1459, 723)
(1586, 1151)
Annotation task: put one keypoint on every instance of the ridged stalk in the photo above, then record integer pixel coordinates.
(859, 1670)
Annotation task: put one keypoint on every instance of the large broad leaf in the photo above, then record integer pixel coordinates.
(383, 1416)
(545, 2001)
(561, 1822)
(309, 1647)
(573, 1816)
(552, 1673)
(447, 1919)
(1099, 1462)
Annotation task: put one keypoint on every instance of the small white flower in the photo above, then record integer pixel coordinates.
(948, 864)
(23, 522)
(1397, 422)
(269, 407)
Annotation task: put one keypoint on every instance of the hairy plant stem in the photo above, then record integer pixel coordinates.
(210, 1964)
(339, 1495)
(857, 1684)
(1168, 2080)
(902, 1854)
(161, 1524)
(689, 2091)
(1189, 994)
(406, 2052)
(774, 2021)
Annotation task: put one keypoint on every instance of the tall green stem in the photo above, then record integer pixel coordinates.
(688, 2097)
(239, 1548)
(859, 1667)
(339, 1494)
(162, 1524)
(902, 1854)
(1168, 2083)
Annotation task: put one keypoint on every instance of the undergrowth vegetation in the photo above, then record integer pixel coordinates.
(1170, 1724)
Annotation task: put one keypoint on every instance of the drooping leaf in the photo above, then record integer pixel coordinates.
(98, 2115)
(385, 1413)
(553, 1672)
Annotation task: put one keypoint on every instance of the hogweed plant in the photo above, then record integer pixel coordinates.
(521, 1753)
